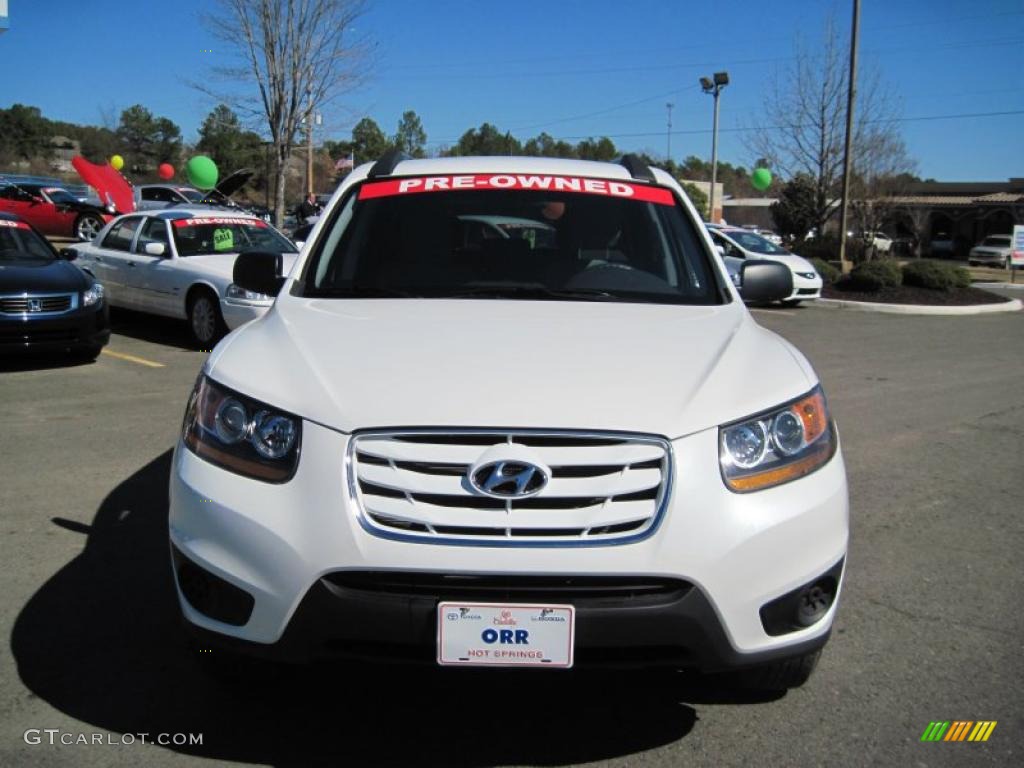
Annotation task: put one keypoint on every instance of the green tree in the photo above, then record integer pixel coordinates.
(697, 197)
(796, 211)
(227, 143)
(147, 141)
(596, 149)
(410, 136)
(544, 145)
(368, 141)
(24, 133)
(487, 140)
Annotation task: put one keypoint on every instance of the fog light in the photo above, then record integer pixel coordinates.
(804, 606)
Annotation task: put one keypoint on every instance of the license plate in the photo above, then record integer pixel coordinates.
(503, 635)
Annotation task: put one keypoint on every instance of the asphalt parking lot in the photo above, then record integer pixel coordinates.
(931, 415)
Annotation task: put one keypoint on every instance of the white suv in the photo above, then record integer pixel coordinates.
(559, 442)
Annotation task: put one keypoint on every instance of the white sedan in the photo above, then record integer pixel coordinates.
(179, 263)
(736, 244)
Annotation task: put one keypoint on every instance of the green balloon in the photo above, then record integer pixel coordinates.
(201, 172)
(761, 179)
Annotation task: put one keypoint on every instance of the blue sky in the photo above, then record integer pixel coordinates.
(573, 68)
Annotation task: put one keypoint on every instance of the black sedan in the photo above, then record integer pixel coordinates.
(46, 302)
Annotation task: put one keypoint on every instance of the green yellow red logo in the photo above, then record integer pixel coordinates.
(958, 730)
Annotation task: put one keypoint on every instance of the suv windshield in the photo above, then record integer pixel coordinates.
(19, 243)
(215, 234)
(486, 236)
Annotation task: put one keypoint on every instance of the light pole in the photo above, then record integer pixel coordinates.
(714, 86)
(668, 133)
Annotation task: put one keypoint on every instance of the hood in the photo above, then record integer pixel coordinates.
(109, 184)
(234, 182)
(56, 276)
(223, 264)
(791, 260)
(356, 364)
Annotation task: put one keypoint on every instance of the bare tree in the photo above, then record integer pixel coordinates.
(802, 129)
(298, 56)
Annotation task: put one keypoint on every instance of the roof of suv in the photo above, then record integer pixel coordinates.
(505, 164)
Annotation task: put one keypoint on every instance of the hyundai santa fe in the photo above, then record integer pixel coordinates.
(511, 412)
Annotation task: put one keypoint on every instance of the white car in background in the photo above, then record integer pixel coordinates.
(178, 263)
(740, 244)
(994, 249)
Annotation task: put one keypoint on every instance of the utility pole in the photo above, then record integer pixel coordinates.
(851, 97)
(309, 143)
(668, 133)
(714, 86)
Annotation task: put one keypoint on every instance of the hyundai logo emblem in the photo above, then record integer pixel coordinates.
(508, 479)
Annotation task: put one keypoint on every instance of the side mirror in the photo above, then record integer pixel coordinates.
(68, 254)
(259, 272)
(155, 249)
(764, 281)
(720, 249)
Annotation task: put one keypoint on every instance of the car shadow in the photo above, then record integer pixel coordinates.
(12, 362)
(152, 328)
(100, 641)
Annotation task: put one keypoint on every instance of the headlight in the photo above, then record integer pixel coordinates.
(238, 292)
(241, 434)
(778, 446)
(92, 295)
(808, 275)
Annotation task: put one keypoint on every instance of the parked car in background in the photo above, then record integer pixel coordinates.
(767, 234)
(53, 210)
(941, 246)
(46, 302)
(994, 249)
(739, 243)
(178, 263)
(881, 241)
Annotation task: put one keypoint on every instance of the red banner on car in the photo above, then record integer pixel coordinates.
(498, 181)
(13, 224)
(219, 220)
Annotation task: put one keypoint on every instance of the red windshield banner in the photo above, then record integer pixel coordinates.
(219, 220)
(606, 187)
(13, 224)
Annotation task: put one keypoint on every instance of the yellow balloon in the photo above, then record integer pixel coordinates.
(117, 162)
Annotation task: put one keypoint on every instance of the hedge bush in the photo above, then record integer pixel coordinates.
(824, 248)
(936, 276)
(874, 276)
(829, 274)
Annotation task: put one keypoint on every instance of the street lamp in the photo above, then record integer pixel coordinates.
(714, 86)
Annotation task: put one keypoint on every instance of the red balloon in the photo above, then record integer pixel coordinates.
(166, 170)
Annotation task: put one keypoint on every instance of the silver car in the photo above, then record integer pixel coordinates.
(994, 249)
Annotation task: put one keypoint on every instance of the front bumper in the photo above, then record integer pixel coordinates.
(805, 289)
(300, 552)
(86, 327)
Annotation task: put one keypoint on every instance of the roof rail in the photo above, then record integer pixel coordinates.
(637, 168)
(386, 165)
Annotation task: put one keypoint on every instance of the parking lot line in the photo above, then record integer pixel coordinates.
(132, 358)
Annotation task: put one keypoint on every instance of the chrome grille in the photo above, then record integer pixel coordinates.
(605, 488)
(35, 304)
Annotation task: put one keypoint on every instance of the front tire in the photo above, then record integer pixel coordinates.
(87, 226)
(791, 302)
(205, 322)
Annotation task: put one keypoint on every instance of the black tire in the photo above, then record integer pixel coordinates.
(87, 226)
(87, 354)
(781, 675)
(205, 323)
(791, 302)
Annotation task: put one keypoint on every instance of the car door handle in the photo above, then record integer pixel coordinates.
(98, 258)
(131, 263)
